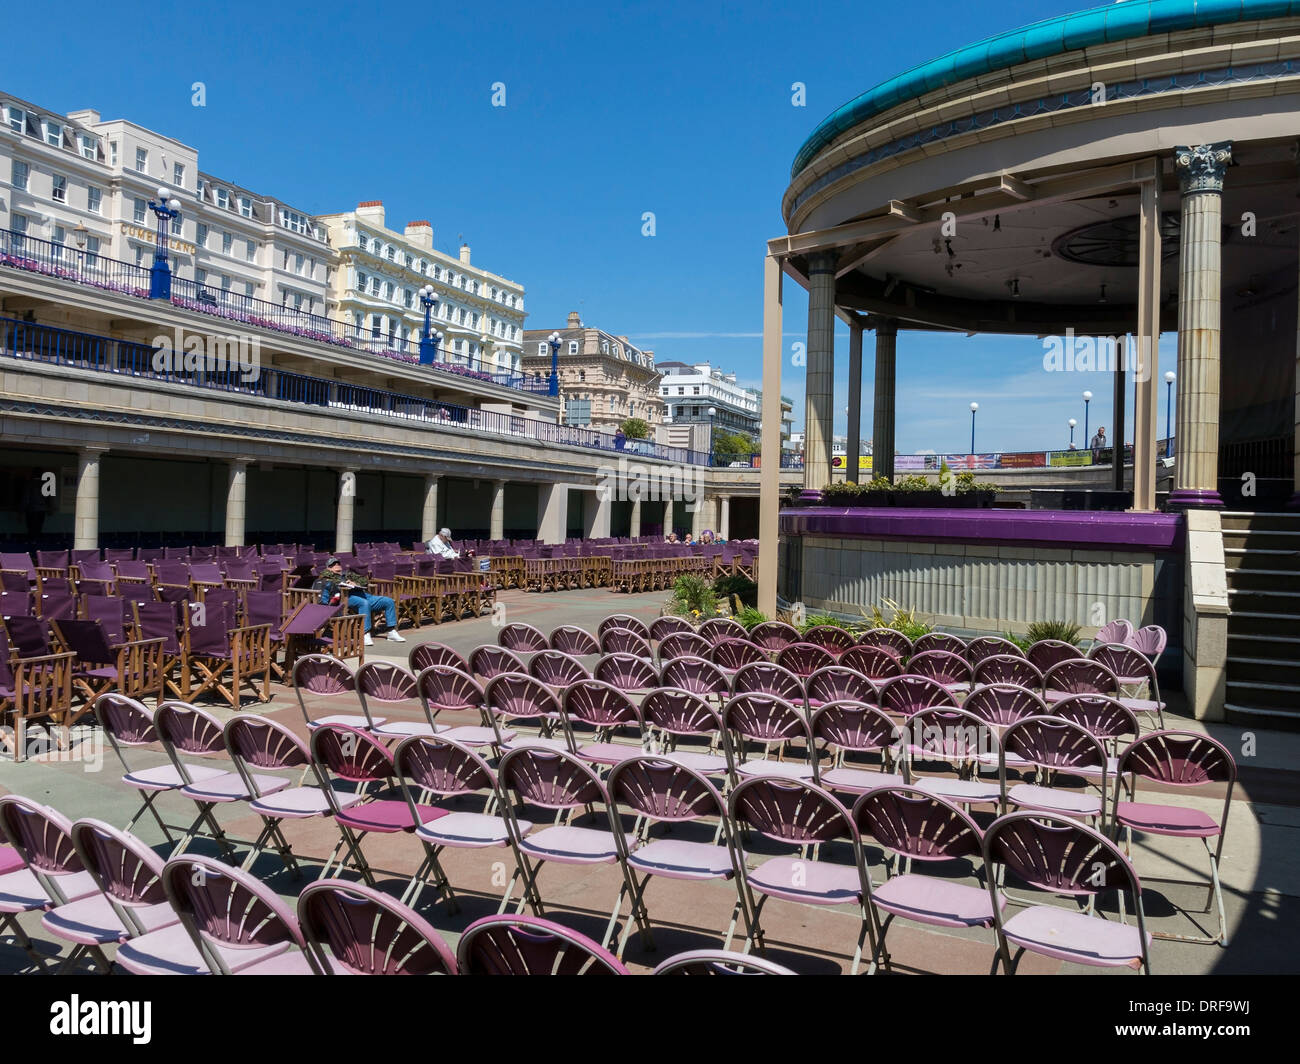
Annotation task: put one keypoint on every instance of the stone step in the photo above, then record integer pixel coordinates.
(1238, 712)
(1261, 624)
(1264, 694)
(1264, 670)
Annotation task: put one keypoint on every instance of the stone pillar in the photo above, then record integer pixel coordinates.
(700, 515)
(596, 509)
(1147, 398)
(498, 529)
(1118, 429)
(634, 528)
(819, 403)
(86, 522)
(854, 448)
(882, 428)
(724, 516)
(769, 505)
(1295, 499)
(552, 512)
(236, 499)
(346, 511)
(668, 516)
(429, 515)
(1201, 170)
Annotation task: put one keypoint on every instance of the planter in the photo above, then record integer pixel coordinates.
(920, 500)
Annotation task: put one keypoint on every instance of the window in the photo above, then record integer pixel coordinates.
(176, 225)
(250, 251)
(21, 172)
(178, 175)
(361, 282)
(363, 242)
(392, 253)
(298, 261)
(139, 215)
(577, 411)
(246, 206)
(142, 160)
(541, 347)
(201, 189)
(17, 119)
(92, 250)
(94, 197)
(604, 347)
(249, 288)
(223, 198)
(139, 255)
(201, 235)
(225, 282)
(60, 192)
(18, 223)
(227, 243)
(409, 297)
(573, 347)
(295, 222)
(388, 289)
(437, 272)
(112, 153)
(89, 146)
(408, 262)
(200, 275)
(53, 134)
(582, 375)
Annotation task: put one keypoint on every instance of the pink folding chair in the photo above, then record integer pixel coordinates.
(662, 627)
(625, 641)
(625, 621)
(773, 636)
(948, 669)
(838, 684)
(321, 675)
(1063, 857)
(1150, 642)
(1008, 669)
(829, 637)
(1114, 632)
(674, 715)
(422, 655)
(719, 962)
(487, 663)
(768, 678)
(518, 945)
(351, 929)
(906, 695)
(557, 670)
(521, 638)
(803, 659)
(577, 642)
(1078, 677)
(717, 629)
(732, 654)
(683, 645)
(597, 714)
(800, 814)
(627, 672)
(1132, 668)
(986, 646)
(1181, 760)
(889, 640)
(854, 728)
(876, 663)
(1052, 746)
(515, 699)
(962, 741)
(390, 685)
(697, 675)
(769, 722)
(922, 829)
(443, 688)
(1048, 652)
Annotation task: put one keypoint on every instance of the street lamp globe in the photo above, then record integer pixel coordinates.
(161, 194)
(1087, 397)
(1072, 422)
(174, 204)
(974, 407)
(1170, 376)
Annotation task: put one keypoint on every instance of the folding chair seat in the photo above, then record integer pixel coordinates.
(598, 712)
(1063, 857)
(389, 684)
(890, 640)
(518, 945)
(351, 929)
(960, 739)
(853, 727)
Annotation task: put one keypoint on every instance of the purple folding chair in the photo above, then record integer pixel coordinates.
(1180, 760)
(939, 641)
(625, 641)
(683, 645)
(1106, 719)
(803, 659)
(1052, 745)
(1000, 705)
(986, 646)
(662, 627)
(96, 578)
(889, 640)
(487, 663)
(19, 562)
(321, 675)
(157, 620)
(944, 667)
(1114, 632)
(831, 638)
(57, 606)
(674, 715)
(768, 678)
(51, 876)
(697, 675)
(574, 641)
(855, 728)
(15, 604)
(1079, 677)
(423, 655)
(557, 670)
(837, 684)
(134, 578)
(625, 621)
(596, 714)
(355, 757)
(14, 581)
(660, 791)
(1008, 669)
(454, 772)
(368, 933)
(627, 672)
(801, 814)
(111, 612)
(769, 722)
(1048, 652)
(877, 664)
(52, 559)
(1132, 668)
(1150, 642)
(28, 636)
(962, 741)
(440, 687)
(514, 698)
(732, 654)
(916, 827)
(719, 962)
(517, 945)
(773, 636)
(559, 781)
(390, 685)
(717, 629)
(1061, 856)
(906, 695)
(521, 638)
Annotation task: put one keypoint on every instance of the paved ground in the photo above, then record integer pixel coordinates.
(1261, 868)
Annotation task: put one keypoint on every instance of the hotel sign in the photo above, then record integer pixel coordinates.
(152, 237)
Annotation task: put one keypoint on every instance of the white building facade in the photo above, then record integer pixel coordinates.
(699, 393)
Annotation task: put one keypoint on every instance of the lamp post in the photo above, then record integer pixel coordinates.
(160, 274)
(554, 341)
(973, 408)
(429, 341)
(1073, 422)
(713, 413)
(1169, 401)
(1087, 398)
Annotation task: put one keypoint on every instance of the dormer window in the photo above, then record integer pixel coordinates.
(53, 134)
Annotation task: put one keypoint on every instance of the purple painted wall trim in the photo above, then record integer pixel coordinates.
(1059, 529)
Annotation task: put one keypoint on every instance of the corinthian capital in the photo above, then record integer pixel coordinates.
(1201, 167)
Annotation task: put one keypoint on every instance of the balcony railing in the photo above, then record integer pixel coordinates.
(753, 461)
(23, 252)
(44, 343)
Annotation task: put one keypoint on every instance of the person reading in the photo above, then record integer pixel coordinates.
(334, 585)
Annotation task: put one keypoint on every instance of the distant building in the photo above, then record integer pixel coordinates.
(698, 393)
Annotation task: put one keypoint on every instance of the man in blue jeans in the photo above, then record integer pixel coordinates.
(333, 586)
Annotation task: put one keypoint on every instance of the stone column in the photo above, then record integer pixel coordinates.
(86, 522)
(724, 516)
(596, 509)
(882, 428)
(1201, 170)
(668, 516)
(820, 385)
(700, 515)
(769, 502)
(854, 448)
(1148, 350)
(498, 529)
(1118, 429)
(634, 528)
(429, 515)
(1295, 499)
(236, 499)
(552, 512)
(346, 511)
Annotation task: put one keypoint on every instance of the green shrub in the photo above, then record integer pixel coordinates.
(1065, 631)
(1020, 641)
(895, 617)
(693, 598)
(815, 620)
(750, 616)
(736, 587)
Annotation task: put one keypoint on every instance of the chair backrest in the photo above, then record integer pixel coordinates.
(1099, 715)
(521, 945)
(662, 627)
(763, 719)
(1056, 743)
(853, 725)
(259, 743)
(208, 629)
(1124, 661)
(487, 662)
(350, 754)
(678, 712)
(125, 870)
(1081, 677)
(803, 659)
(698, 675)
(732, 654)
(87, 640)
(773, 636)
(627, 672)
(1001, 704)
(570, 639)
(793, 812)
(682, 645)
(912, 823)
(830, 638)
(220, 905)
(52, 559)
(521, 637)
(716, 629)
(551, 779)
(770, 679)
(43, 840)
(368, 933)
(124, 720)
(986, 646)
(1150, 641)
(1056, 853)
(877, 663)
(189, 730)
(264, 607)
(1115, 632)
(443, 687)
(888, 639)
(1179, 759)
(836, 683)
(518, 696)
(21, 562)
(625, 621)
(56, 605)
(941, 665)
(29, 637)
(906, 695)
(946, 733)
(1048, 652)
(719, 962)
(321, 674)
(16, 604)
(662, 790)
(441, 766)
(624, 641)
(1008, 669)
(423, 655)
(556, 669)
(109, 612)
(384, 682)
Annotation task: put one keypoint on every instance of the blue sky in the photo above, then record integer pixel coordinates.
(681, 109)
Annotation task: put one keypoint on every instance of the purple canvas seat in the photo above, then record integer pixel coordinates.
(133, 578)
(1052, 745)
(1048, 652)
(1132, 668)
(596, 715)
(627, 672)
(1007, 669)
(660, 791)
(1063, 857)
(16, 604)
(19, 562)
(15, 581)
(56, 606)
(675, 715)
(889, 640)
(556, 781)
(773, 636)
(732, 654)
(111, 612)
(454, 772)
(422, 655)
(683, 645)
(351, 929)
(874, 662)
(853, 728)
(768, 678)
(134, 668)
(52, 559)
(697, 675)
(831, 638)
(662, 627)
(577, 642)
(921, 829)
(944, 667)
(625, 641)
(96, 578)
(353, 756)
(717, 629)
(986, 646)
(799, 814)
(389, 686)
(719, 962)
(557, 670)
(960, 740)
(521, 638)
(322, 675)
(158, 620)
(774, 725)
(519, 945)
(837, 684)
(906, 695)
(258, 745)
(488, 662)
(442, 687)
(513, 699)
(803, 659)
(1180, 760)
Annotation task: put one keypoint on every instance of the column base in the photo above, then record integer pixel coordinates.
(1195, 499)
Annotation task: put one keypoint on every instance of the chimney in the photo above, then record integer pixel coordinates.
(575, 322)
(464, 254)
(87, 117)
(372, 211)
(420, 234)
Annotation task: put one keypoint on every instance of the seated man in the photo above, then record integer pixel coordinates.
(333, 585)
(441, 545)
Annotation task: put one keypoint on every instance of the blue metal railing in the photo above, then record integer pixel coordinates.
(20, 251)
(752, 460)
(45, 343)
